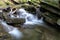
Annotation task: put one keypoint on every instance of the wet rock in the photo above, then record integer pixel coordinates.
(16, 20)
(38, 13)
(50, 13)
(30, 9)
(1, 14)
(7, 9)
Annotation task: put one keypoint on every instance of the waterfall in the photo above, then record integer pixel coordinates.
(30, 18)
(14, 32)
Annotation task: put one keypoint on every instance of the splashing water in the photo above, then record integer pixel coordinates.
(30, 18)
(14, 32)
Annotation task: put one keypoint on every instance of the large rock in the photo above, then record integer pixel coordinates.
(15, 20)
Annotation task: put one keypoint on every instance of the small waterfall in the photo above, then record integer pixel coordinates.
(31, 22)
(30, 18)
(14, 32)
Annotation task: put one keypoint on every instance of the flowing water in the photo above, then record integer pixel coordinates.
(30, 18)
(14, 32)
(31, 21)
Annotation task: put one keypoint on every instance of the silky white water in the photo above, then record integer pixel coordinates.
(30, 18)
(13, 31)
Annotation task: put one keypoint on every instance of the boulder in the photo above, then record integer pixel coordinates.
(15, 20)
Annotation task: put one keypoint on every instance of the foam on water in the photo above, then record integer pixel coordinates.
(30, 18)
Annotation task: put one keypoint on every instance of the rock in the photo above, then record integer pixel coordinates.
(15, 20)
(58, 21)
(9, 19)
(30, 8)
(51, 13)
(38, 13)
(7, 9)
(1, 14)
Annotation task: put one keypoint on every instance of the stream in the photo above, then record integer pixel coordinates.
(31, 22)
